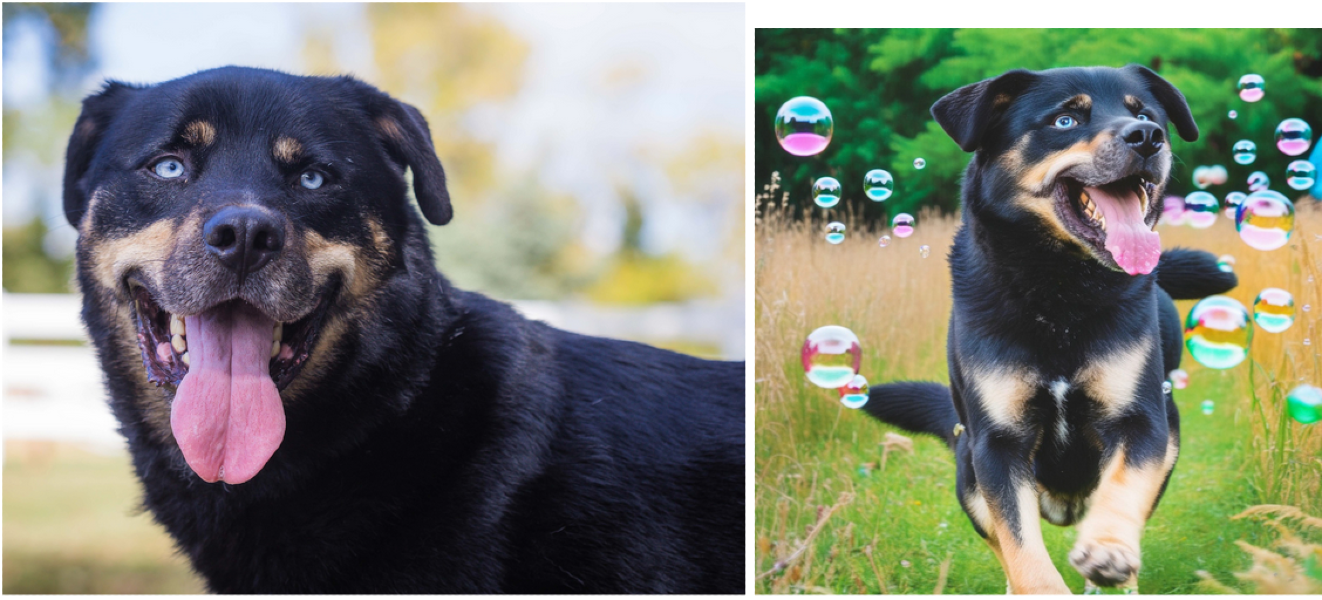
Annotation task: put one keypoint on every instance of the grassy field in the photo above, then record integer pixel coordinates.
(71, 526)
(887, 521)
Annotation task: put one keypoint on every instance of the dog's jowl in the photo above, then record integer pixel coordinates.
(1063, 326)
(311, 407)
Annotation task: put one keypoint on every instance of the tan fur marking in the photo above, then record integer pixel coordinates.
(1001, 100)
(1080, 102)
(1133, 104)
(146, 249)
(1110, 380)
(199, 133)
(86, 127)
(1003, 392)
(390, 128)
(287, 149)
(1039, 178)
(1027, 564)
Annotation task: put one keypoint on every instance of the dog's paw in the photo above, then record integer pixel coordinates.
(1105, 563)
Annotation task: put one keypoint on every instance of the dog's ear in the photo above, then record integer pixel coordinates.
(1171, 100)
(408, 140)
(968, 112)
(99, 110)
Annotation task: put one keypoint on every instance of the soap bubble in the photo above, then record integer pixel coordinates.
(878, 185)
(919, 163)
(902, 225)
(1273, 310)
(1217, 332)
(1304, 404)
(1200, 210)
(1165, 387)
(831, 356)
(835, 232)
(1233, 114)
(1172, 210)
(884, 241)
(1300, 175)
(855, 393)
(1265, 220)
(1307, 308)
(1219, 174)
(1179, 378)
(1258, 181)
(1251, 88)
(1202, 177)
(924, 250)
(1226, 263)
(1232, 202)
(1293, 136)
(1245, 151)
(1208, 407)
(804, 126)
(826, 192)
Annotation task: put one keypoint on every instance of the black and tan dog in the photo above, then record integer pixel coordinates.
(311, 407)
(1063, 329)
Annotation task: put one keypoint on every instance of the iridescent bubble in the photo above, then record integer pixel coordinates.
(1202, 177)
(835, 232)
(1300, 175)
(804, 126)
(1200, 209)
(1208, 407)
(1307, 308)
(919, 163)
(1233, 114)
(1226, 263)
(1258, 181)
(1165, 387)
(1172, 210)
(1293, 136)
(1232, 202)
(884, 241)
(1265, 220)
(902, 225)
(1273, 310)
(1217, 332)
(878, 185)
(1179, 378)
(1218, 174)
(1251, 88)
(1304, 404)
(826, 192)
(1244, 151)
(924, 250)
(855, 393)
(831, 356)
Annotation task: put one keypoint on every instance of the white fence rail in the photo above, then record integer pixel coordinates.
(55, 392)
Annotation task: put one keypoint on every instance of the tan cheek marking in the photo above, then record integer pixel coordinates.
(1111, 380)
(145, 249)
(1003, 392)
(390, 128)
(199, 133)
(1037, 178)
(380, 239)
(287, 149)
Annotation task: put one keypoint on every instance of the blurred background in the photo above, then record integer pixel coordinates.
(595, 157)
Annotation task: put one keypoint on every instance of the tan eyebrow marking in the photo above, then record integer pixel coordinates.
(1133, 104)
(1080, 102)
(390, 128)
(199, 133)
(287, 149)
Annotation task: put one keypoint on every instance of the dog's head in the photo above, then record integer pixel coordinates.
(1083, 151)
(229, 222)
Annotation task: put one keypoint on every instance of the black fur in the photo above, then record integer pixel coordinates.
(450, 445)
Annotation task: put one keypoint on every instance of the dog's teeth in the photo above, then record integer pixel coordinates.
(179, 344)
(1101, 220)
(275, 348)
(177, 325)
(184, 357)
(279, 331)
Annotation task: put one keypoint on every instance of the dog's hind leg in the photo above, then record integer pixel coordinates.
(1107, 550)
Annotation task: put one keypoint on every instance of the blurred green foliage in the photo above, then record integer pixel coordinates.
(880, 84)
(27, 267)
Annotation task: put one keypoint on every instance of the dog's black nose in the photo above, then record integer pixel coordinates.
(244, 238)
(1145, 137)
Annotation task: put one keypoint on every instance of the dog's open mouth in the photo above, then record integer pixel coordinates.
(228, 364)
(1114, 218)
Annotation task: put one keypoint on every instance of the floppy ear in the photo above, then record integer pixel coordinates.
(1171, 100)
(407, 138)
(99, 110)
(968, 112)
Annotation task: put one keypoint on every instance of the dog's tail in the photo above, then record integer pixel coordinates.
(1192, 274)
(917, 406)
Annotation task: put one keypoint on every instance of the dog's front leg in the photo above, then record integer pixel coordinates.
(1012, 517)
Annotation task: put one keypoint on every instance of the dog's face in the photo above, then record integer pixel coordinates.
(229, 223)
(1084, 152)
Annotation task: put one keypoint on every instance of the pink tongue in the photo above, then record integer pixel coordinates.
(1133, 245)
(227, 416)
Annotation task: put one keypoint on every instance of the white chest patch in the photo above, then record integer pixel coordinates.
(1059, 388)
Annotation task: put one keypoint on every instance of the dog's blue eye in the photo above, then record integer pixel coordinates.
(169, 168)
(1142, 118)
(1065, 122)
(311, 180)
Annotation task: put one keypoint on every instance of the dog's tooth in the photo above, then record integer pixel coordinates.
(279, 331)
(1101, 220)
(275, 348)
(184, 357)
(179, 344)
(177, 325)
